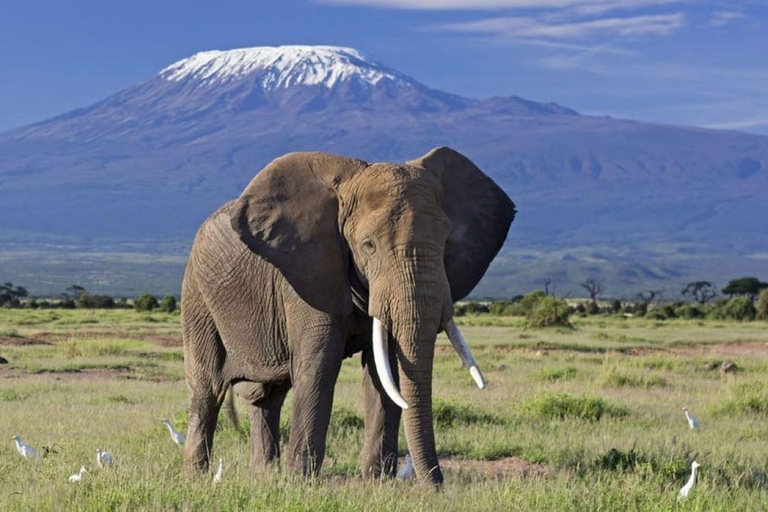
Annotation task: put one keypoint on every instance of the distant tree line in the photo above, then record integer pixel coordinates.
(77, 297)
(747, 300)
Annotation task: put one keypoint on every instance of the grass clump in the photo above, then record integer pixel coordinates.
(562, 406)
(557, 374)
(344, 419)
(447, 414)
(613, 377)
(746, 398)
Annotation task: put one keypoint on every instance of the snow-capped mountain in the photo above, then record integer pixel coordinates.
(283, 67)
(151, 161)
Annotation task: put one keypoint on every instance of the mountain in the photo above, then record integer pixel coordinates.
(640, 205)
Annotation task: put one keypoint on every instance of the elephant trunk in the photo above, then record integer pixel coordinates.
(419, 306)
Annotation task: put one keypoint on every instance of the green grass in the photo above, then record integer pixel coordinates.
(590, 417)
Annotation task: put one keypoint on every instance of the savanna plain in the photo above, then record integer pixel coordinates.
(584, 418)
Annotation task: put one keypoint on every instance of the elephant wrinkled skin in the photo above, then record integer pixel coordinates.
(283, 283)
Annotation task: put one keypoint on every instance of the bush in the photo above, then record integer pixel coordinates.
(549, 312)
(562, 406)
(592, 308)
(690, 312)
(86, 301)
(740, 308)
(168, 304)
(146, 302)
(502, 308)
(762, 305)
(476, 307)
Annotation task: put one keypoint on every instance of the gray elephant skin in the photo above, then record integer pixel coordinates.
(321, 257)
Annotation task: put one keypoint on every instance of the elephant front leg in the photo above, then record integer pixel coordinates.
(204, 405)
(382, 421)
(314, 374)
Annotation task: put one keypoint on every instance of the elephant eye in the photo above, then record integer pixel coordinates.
(368, 247)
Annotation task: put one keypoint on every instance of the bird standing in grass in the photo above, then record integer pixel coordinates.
(78, 476)
(406, 472)
(686, 490)
(104, 459)
(219, 471)
(24, 450)
(692, 422)
(176, 436)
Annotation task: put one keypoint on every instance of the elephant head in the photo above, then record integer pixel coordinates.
(406, 239)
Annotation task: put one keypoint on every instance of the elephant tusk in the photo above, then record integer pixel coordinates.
(381, 358)
(461, 347)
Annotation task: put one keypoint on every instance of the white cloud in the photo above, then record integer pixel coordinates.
(721, 18)
(585, 6)
(520, 27)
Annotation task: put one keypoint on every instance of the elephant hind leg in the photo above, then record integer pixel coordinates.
(204, 357)
(265, 402)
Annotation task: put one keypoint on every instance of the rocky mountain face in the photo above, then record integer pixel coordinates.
(638, 204)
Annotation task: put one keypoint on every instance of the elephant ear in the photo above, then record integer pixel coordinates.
(288, 215)
(480, 213)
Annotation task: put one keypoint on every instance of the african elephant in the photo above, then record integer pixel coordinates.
(321, 257)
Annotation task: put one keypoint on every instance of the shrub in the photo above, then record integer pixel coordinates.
(549, 312)
(740, 308)
(690, 312)
(459, 310)
(168, 304)
(146, 302)
(86, 301)
(562, 406)
(502, 308)
(447, 414)
(762, 305)
(592, 308)
(476, 307)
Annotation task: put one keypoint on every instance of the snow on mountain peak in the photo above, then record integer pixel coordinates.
(280, 67)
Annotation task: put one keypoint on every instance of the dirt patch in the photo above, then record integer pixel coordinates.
(747, 349)
(497, 468)
(165, 341)
(20, 341)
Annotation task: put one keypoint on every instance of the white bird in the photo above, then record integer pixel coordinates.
(406, 472)
(217, 476)
(692, 422)
(104, 459)
(78, 476)
(24, 450)
(691, 482)
(176, 436)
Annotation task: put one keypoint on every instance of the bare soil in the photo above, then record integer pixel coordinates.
(20, 341)
(501, 467)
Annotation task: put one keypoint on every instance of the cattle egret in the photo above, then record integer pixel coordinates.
(104, 459)
(24, 450)
(78, 476)
(176, 437)
(406, 472)
(692, 422)
(691, 482)
(217, 476)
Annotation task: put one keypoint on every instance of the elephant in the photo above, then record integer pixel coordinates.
(322, 257)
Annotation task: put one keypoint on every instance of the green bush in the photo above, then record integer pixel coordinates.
(740, 308)
(146, 302)
(762, 305)
(562, 406)
(168, 304)
(502, 308)
(549, 312)
(86, 301)
(690, 311)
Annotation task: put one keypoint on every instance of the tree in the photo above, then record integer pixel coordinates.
(76, 291)
(594, 289)
(749, 286)
(700, 291)
(146, 302)
(10, 295)
(168, 304)
(646, 298)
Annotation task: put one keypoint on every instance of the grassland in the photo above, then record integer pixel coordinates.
(580, 419)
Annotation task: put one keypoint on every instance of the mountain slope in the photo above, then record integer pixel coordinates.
(150, 162)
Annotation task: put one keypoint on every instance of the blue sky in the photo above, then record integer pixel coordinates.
(701, 63)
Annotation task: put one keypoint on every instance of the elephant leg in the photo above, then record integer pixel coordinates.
(313, 372)
(382, 420)
(203, 360)
(265, 425)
